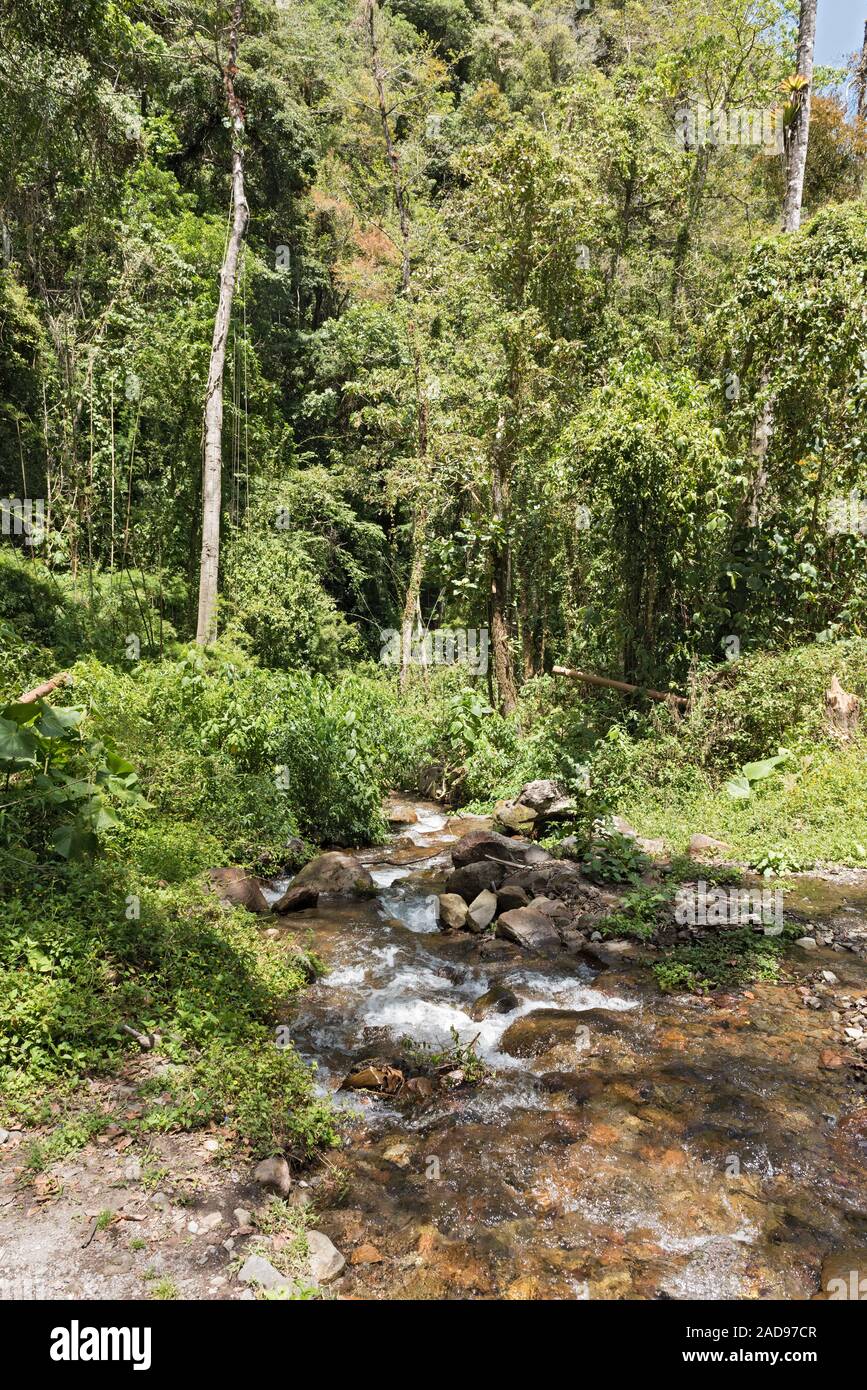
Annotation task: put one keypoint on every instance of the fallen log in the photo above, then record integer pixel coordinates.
(39, 691)
(623, 686)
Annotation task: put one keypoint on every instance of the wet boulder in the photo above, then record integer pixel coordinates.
(296, 898)
(543, 1029)
(452, 911)
(578, 1087)
(336, 873)
(532, 930)
(236, 888)
(468, 882)
(482, 844)
(496, 1000)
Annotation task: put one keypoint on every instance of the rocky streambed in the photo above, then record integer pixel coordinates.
(621, 1143)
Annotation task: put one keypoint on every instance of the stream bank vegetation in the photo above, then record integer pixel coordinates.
(493, 352)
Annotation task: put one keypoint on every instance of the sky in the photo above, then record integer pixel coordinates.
(839, 30)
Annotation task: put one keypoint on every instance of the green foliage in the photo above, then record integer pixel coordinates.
(614, 858)
(61, 786)
(459, 1057)
(638, 914)
(740, 786)
(724, 960)
(266, 1093)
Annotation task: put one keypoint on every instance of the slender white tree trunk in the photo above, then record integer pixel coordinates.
(209, 573)
(796, 163)
(799, 130)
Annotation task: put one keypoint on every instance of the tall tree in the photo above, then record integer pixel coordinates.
(797, 136)
(412, 593)
(209, 572)
(798, 128)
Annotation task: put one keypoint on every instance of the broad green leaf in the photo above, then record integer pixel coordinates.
(16, 745)
(738, 788)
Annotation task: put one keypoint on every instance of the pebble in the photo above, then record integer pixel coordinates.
(4, 1136)
(397, 1153)
(829, 977)
(242, 1216)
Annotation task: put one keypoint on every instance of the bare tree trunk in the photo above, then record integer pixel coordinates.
(861, 79)
(206, 628)
(797, 140)
(697, 183)
(501, 650)
(799, 130)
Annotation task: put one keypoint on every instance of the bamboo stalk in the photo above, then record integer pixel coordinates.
(619, 685)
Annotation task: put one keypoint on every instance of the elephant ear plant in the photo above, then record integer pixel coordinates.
(60, 788)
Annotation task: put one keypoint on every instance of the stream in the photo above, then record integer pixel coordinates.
(691, 1149)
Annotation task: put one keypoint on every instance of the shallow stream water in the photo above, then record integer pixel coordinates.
(691, 1148)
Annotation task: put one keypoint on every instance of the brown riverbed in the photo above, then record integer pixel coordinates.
(696, 1149)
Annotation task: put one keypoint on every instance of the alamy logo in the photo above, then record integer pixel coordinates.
(77, 1343)
(464, 646)
(854, 1289)
(23, 517)
(699, 906)
(700, 125)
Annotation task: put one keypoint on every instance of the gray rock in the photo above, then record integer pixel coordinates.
(5, 1136)
(257, 1270)
(242, 1217)
(132, 1170)
(482, 911)
(706, 847)
(452, 911)
(511, 895)
(326, 1261)
(273, 1173)
(532, 930)
(337, 873)
(541, 794)
(807, 943)
(829, 977)
(552, 907)
(468, 882)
